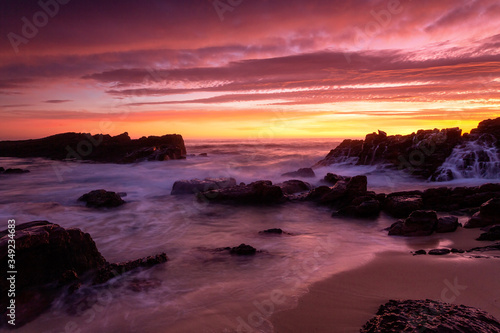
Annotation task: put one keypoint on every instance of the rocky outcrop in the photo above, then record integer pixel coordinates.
(402, 204)
(301, 173)
(493, 234)
(261, 192)
(52, 259)
(99, 148)
(240, 250)
(429, 316)
(194, 186)
(419, 223)
(101, 198)
(488, 214)
(420, 153)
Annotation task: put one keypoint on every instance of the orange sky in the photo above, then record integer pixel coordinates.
(260, 68)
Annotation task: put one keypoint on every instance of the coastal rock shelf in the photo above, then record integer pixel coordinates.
(433, 154)
(98, 148)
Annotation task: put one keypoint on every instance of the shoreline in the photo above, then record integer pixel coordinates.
(345, 301)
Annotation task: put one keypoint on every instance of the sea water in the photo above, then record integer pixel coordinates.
(200, 289)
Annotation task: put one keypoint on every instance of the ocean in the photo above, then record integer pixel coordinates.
(200, 289)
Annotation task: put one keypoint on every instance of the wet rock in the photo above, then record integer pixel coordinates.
(143, 285)
(259, 192)
(401, 205)
(439, 252)
(203, 155)
(294, 186)
(332, 178)
(419, 252)
(429, 316)
(362, 207)
(488, 214)
(347, 152)
(53, 259)
(194, 186)
(454, 250)
(99, 148)
(101, 198)
(301, 173)
(15, 171)
(243, 250)
(447, 224)
(419, 223)
(493, 234)
(494, 247)
(273, 231)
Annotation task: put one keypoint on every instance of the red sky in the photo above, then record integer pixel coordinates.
(247, 68)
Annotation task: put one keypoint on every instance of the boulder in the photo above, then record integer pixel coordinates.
(493, 234)
(301, 173)
(439, 252)
(53, 259)
(362, 207)
(488, 214)
(273, 231)
(402, 205)
(429, 316)
(294, 186)
(101, 198)
(419, 223)
(447, 224)
(419, 252)
(259, 192)
(332, 178)
(194, 186)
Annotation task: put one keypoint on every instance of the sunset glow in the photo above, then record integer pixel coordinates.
(247, 69)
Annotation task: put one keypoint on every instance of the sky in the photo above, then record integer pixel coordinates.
(247, 68)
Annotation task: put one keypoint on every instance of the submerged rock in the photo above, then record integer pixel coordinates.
(194, 186)
(429, 316)
(101, 198)
(15, 171)
(419, 223)
(243, 250)
(259, 192)
(52, 259)
(301, 173)
(439, 252)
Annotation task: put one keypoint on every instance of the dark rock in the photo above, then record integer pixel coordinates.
(363, 207)
(203, 155)
(493, 234)
(99, 148)
(347, 152)
(294, 186)
(194, 186)
(332, 178)
(402, 205)
(52, 258)
(259, 192)
(101, 198)
(429, 316)
(439, 252)
(419, 252)
(243, 250)
(143, 285)
(357, 186)
(494, 247)
(275, 231)
(447, 224)
(302, 173)
(2, 169)
(15, 171)
(453, 250)
(419, 223)
(488, 214)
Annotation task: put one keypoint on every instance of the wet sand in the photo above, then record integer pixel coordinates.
(345, 301)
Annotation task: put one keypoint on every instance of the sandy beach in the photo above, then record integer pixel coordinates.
(345, 301)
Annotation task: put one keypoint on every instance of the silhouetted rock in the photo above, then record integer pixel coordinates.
(301, 173)
(363, 207)
(274, 231)
(99, 148)
(346, 152)
(259, 192)
(402, 204)
(419, 223)
(294, 186)
(488, 215)
(493, 234)
(2, 169)
(419, 252)
(51, 259)
(439, 252)
(332, 178)
(15, 171)
(194, 186)
(101, 198)
(243, 250)
(429, 316)
(447, 224)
